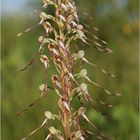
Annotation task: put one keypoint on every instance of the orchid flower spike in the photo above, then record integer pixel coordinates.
(61, 34)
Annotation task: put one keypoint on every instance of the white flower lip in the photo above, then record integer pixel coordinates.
(83, 87)
(80, 54)
(52, 130)
(42, 87)
(83, 73)
(80, 34)
(48, 114)
(43, 15)
(80, 27)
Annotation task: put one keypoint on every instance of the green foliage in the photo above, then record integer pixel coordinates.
(119, 28)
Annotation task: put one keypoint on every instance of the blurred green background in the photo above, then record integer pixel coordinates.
(119, 26)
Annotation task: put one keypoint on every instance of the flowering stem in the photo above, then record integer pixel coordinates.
(66, 86)
(65, 99)
(66, 113)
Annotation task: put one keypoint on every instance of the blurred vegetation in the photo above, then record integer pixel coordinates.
(119, 26)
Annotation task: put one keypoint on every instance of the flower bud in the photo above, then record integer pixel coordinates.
(70, 5)
(74, 24)
(46, 1)
(70, 19)
(64, 6)
(43, 15)
(62, 18)
(66, 106)
(61, 44)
